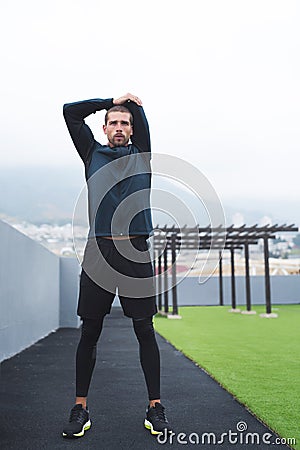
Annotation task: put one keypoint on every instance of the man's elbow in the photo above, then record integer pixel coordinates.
(65, 108)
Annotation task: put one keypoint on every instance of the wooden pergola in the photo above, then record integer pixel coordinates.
(172, 239)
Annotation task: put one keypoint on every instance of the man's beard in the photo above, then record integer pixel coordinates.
(118, 143)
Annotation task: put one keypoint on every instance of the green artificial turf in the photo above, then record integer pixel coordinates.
(256, 359)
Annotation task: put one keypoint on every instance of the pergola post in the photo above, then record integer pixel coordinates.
(154, 273)
(247, 274)
(233, 295)
(166, 284)
(221, 300)
(174, 278)
(267, 275)
(159, 284)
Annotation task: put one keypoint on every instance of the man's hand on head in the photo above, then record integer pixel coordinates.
(125, 98)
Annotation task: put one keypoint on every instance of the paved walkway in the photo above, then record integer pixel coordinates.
(38, 385)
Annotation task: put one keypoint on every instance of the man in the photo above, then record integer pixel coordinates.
(118, 176)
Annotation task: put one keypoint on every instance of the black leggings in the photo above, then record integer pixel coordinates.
(149, 354)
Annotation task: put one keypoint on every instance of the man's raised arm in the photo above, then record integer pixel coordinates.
(81, 134)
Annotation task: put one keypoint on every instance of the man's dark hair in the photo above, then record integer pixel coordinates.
(119, 108)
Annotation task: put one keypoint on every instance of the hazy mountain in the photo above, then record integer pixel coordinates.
(49, 194)
(40, 194)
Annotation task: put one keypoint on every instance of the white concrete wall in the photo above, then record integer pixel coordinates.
(69, 288)
(29, 291)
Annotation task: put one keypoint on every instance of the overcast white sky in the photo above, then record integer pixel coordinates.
(219, 80)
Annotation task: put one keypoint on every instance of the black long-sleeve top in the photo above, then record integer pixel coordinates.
(118, 178)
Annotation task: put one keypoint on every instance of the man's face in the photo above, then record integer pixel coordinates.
(118, 129)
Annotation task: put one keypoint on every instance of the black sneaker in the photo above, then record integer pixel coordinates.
(79, 422)
(156, 420)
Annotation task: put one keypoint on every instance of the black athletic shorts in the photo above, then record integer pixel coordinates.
(105, 268)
